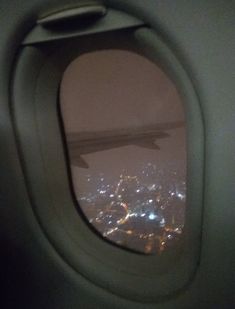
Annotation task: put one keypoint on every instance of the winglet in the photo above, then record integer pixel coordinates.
(79, 162)
(148, 144)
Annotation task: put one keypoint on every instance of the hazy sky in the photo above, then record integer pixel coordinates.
(114, 89)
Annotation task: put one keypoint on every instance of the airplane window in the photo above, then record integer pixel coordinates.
(125, 131)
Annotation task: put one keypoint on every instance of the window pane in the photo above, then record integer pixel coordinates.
(125, 130)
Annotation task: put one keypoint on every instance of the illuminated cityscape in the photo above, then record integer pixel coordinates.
(136, 213)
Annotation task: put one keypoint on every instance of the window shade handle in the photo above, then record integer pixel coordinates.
(70, 14)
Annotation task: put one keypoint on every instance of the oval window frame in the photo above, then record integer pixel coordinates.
(67, 112)
(147, 278)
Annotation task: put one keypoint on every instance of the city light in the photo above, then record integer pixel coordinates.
(140, 215)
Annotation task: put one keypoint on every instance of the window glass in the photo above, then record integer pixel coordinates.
(124, 124)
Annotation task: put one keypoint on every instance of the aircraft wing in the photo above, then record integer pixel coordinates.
(79, 162)
(83, 143)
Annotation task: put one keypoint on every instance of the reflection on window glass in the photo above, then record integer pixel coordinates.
(125, 132)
